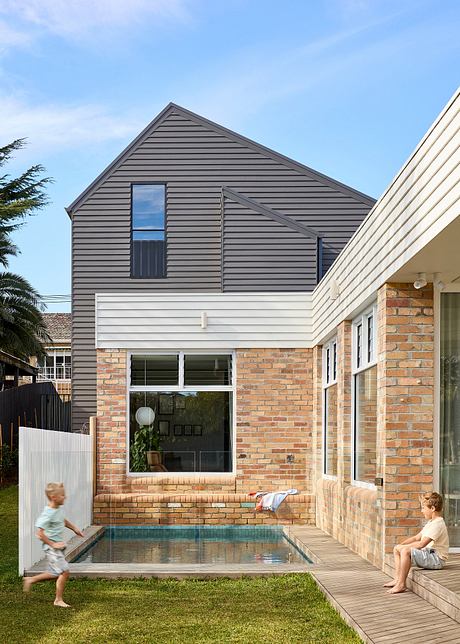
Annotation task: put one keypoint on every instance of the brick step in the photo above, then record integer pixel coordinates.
(440, 588)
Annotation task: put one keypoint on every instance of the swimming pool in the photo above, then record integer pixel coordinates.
(193, 545)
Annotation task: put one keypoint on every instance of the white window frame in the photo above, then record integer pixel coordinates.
(181, 387)
(368, 359)
(329, 373)
(448, 288)
(52, 371)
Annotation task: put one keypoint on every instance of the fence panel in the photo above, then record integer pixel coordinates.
(34, 405)
(45, 456)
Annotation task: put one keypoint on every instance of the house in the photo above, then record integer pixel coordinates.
(270, 328)
(56, 366)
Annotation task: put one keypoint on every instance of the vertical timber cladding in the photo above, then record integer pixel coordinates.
(195, 159)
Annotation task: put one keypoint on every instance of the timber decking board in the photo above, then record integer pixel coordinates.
(355, 589)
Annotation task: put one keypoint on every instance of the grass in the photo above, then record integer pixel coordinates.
(253, 610)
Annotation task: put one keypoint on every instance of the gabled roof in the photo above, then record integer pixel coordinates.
(173, 108)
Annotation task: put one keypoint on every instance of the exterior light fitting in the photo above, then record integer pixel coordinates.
(420, 282)
(334, 290)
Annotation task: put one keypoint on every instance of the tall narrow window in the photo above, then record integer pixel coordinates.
(330, 408)
(365, 399)
(148, 249)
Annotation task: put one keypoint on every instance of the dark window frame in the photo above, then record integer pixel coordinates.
(132, 229)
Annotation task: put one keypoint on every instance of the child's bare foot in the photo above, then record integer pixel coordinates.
(390, 584)
(26, 584)
(61, 603)
(397, 589)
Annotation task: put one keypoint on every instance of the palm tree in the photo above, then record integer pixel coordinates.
(22, 327)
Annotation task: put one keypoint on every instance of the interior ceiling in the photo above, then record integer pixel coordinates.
(441, 255)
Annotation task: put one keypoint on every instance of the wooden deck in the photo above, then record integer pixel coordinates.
(354, 587)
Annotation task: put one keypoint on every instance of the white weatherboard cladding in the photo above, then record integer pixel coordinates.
(52, 456)
(246, 320)
(422, 200)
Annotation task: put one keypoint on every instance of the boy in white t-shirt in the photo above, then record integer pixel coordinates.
(429, 548)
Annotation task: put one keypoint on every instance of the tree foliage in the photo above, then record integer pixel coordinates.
(22, 327)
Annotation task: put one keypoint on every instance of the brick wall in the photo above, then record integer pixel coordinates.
(406, 399)
(371, 521)
(274, 417)
(273, 447)
(350, 514)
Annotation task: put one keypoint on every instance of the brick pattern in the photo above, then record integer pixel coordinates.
(406, 382)
(274, 418)
(111, 420)
(170, 509)
(273, 443)
(349, 513)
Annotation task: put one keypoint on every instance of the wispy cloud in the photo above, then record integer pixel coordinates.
(256, 78)
(12, 37)
(83, 19)
(53, 127)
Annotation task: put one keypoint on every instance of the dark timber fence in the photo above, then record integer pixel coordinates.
(35, 405)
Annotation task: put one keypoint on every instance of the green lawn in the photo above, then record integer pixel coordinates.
(278, 609)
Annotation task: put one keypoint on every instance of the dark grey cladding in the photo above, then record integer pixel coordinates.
(196, 159)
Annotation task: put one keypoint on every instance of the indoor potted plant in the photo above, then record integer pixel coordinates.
(145, 452)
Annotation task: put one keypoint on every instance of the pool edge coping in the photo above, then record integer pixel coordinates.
(179, 571)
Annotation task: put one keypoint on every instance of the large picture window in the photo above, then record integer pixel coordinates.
(365, 398)
(330, 408)
(181, 412)
(148, 215)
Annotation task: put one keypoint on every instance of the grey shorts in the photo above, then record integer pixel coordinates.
(426, 558)
(56, 561)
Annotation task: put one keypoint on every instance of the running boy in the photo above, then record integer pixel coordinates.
(50, 527)
(429, 548)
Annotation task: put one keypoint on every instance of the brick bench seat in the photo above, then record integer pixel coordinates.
(170, 508)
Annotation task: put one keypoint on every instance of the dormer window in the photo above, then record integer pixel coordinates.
(148, 235)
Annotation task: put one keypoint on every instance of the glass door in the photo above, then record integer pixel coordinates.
(450, 413)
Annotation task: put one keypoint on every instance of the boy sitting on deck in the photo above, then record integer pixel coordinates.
(429, 548)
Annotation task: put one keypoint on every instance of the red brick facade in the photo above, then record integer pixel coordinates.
(273, 444)
(371, 521)
(406, 399)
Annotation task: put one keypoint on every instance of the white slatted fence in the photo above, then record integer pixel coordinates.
(46, 456)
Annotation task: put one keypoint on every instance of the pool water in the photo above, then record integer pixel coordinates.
(193, 545)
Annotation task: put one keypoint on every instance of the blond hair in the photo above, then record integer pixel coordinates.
(52, 488)
(432, 500)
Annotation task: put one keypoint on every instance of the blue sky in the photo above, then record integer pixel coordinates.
(347, 87)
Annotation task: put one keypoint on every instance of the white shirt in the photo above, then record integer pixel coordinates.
(436, 529)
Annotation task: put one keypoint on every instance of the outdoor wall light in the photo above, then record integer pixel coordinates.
(420, 282)
(334, 290)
